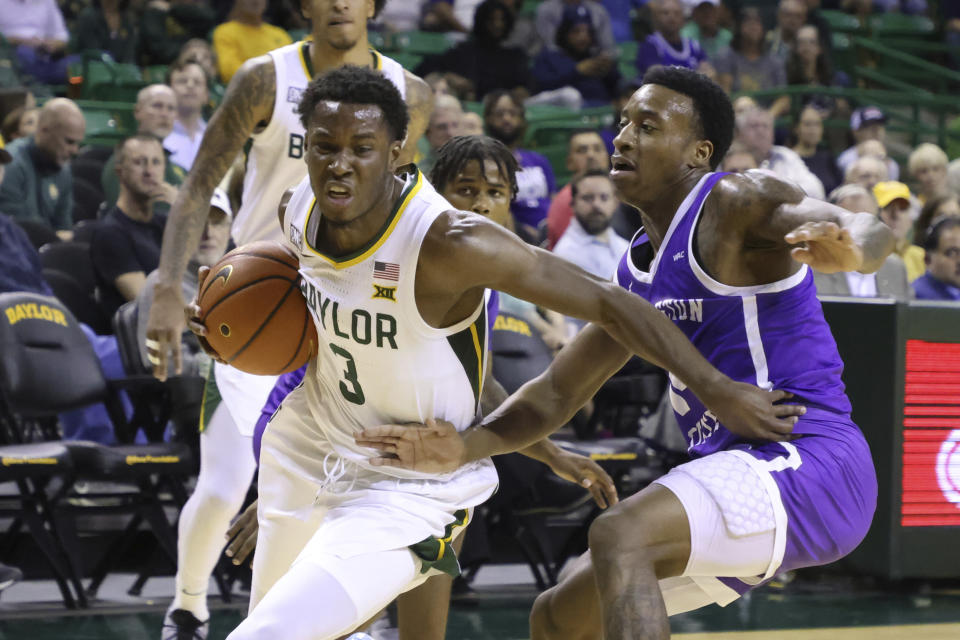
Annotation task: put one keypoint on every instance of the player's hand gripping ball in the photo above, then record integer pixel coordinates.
(255, 317)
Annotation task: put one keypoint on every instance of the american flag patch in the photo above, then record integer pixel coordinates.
(386, 271)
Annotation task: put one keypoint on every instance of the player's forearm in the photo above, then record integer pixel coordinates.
(646, 332)
(526, 418)
(184, 228)
(874, 238)
(544, 451)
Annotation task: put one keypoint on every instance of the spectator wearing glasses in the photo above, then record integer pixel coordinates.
(942, 278)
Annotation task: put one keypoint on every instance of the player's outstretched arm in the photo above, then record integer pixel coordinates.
(822, 235)
(420, 106)
(248, 102)
(570, 466)
(465, 252)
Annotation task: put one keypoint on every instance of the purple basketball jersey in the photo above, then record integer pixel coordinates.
(773, 336)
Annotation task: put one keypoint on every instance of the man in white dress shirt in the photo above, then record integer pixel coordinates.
(755, 132)
(589, 242)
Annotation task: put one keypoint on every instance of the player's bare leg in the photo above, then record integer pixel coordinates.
(571, 610)
(634, 544)
(422, 612)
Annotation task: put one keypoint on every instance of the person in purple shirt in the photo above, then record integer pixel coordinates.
(753, 501)
(504, 119)
(942, 279)
(666, 46)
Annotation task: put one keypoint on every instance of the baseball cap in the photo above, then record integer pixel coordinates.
(576, 14)
(5, 156)
(867, 115)
(221, 201)
(887, 192)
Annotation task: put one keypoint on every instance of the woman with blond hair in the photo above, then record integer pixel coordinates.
(928, 166)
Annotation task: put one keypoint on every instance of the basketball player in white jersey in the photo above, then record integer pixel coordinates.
(259, 107)
(396, 282)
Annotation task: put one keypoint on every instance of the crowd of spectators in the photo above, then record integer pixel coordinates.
(506, 58)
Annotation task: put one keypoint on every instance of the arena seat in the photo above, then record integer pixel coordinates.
(34, 468)
(39, 233)
(49, 367)
(80, 302)
(87, 198)
(72, 258)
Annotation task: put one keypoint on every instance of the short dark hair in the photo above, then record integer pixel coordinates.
(121, 146)
(457, 152)
(357, 85)
(581, 132)
(482, 14)
(592, 173)
(182, 63)
(378, 7)
(493, 97)
(928, 213)
(932, 241)
(712, 104)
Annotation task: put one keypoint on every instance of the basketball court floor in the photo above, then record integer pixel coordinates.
(811, 607)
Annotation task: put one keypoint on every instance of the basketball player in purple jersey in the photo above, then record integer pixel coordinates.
(727, 257)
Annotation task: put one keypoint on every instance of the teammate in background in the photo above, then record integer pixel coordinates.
(260, 106)
(396, 281)
(727, 258)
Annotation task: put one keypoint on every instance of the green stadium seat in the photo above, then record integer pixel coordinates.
(408, 61)
(841, 22)
(377, 40)
(901, 24)
(156, 74)
(105, 79)
(557, 156)
(107, 122)
(422, 43)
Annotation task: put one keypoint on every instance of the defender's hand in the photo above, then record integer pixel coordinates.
(825, 247)
(754, 413)
(588, 474)
(242, 535)
(434, 447)
(164, 327)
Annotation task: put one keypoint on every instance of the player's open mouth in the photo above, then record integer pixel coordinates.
(619, 165)
(338, 21)
(338, 193)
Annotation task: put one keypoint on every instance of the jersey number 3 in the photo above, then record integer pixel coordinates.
(353, 392)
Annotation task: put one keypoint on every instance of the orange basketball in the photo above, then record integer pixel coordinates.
(256, 318)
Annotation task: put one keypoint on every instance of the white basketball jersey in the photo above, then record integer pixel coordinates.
(379, 361)
(275, 155)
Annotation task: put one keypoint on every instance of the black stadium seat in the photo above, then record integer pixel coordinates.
(72, 258)
(39, 233)
(87, 199)
(80, 302)
(48, 367)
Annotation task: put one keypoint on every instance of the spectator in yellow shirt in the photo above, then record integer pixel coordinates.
(245, 36)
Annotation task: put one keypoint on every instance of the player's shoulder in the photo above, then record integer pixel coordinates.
(419, 93)
(455, 234)
(755, 190)
(258, 75)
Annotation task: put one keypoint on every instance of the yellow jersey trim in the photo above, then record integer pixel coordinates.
(372, 247)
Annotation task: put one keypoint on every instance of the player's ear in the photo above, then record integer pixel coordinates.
(395, 148)
(305, 9)
(702, 153)
(371, 9)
